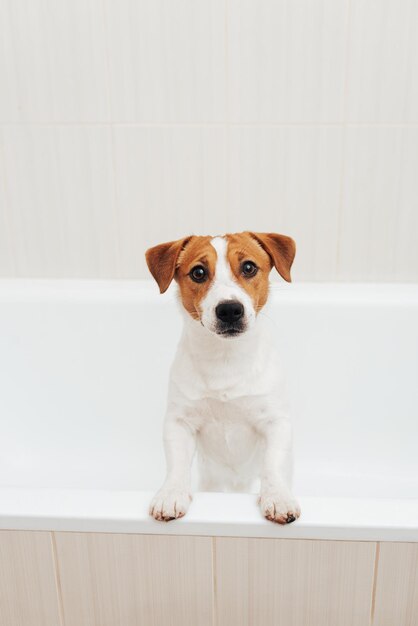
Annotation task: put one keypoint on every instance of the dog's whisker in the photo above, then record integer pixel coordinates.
(270, 319)
(197, 313)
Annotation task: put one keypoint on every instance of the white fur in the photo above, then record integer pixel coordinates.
(226, 397)
(224, 287)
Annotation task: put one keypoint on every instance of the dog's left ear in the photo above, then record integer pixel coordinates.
(162, 261)
(281, 250)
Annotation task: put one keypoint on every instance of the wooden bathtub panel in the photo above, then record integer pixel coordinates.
(135, 580)
(293, 582)
(396, 602)
(28, 591)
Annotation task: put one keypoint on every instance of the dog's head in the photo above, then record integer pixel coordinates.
(223, 281)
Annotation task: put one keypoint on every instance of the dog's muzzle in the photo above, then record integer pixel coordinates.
(230, 318)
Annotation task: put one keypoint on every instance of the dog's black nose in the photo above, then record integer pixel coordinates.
(229, 311)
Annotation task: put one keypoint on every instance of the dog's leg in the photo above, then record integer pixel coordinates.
(276, 500)
(174, 497)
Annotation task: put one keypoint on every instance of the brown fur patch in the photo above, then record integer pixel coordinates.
(243, 247)
(280, 248)
(198, 251)
(162, 261)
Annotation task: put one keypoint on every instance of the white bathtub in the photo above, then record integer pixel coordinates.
(83, 376)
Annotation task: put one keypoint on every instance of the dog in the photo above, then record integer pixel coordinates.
(226, 392)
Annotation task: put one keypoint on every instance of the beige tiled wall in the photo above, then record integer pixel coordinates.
(128, 122)
(99, 579)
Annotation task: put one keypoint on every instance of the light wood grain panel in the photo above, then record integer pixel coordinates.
(166, 60)
(28, 592)
(287, 180)
(406, 220)
(135, 580)
(297, 583)
(396, 600)
(382, 76)
(286, 60)
(60, 223)
(170, 181)
(370, 204)
(53, 62)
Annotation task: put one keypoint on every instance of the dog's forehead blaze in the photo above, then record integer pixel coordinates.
(198, 251)
(243, 247)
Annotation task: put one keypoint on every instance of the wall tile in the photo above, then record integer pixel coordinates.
(406, 211)
(370, 203)
(53, 61)
(167, 60)
(135, 579)
(286, 60)
(170, 183)
(28, 592)
(60, 201)
(7, 259)
(314, 583)
(396, 599)
(268, 77)
(287, 179)
(382, 81)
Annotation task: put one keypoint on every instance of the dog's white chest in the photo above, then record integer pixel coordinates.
(227, 426)
(224, 396)
(228, 443)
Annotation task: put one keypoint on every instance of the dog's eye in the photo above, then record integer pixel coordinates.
(198, 274)
(249, 268)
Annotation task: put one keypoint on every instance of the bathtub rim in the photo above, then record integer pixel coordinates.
(210, 514)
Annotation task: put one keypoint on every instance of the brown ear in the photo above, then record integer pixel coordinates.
(281, 249)
(162, 261)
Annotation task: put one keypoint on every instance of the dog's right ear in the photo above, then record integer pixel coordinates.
(162, 261)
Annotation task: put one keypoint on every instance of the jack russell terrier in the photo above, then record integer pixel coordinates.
(226, 392)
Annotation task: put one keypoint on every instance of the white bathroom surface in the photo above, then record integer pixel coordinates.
(210, 514)
(83, 376)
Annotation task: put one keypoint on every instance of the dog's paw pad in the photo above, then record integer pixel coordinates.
(279, 508)
(169, 504)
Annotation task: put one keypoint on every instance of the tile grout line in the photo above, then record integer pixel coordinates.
(374, 586)
(203, 123)
(57, 579)
(214, 585)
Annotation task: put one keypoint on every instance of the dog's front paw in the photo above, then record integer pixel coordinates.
(280, 507)
(169, 504)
